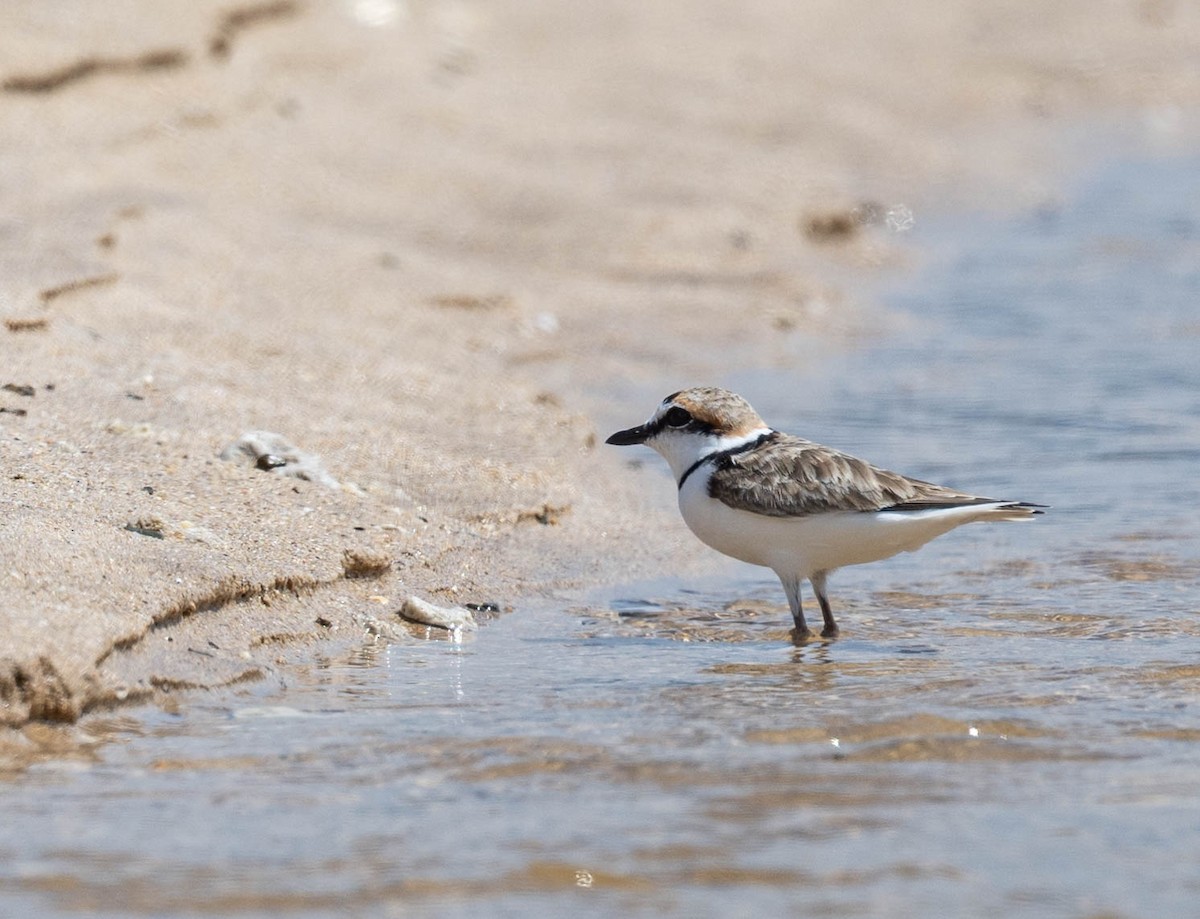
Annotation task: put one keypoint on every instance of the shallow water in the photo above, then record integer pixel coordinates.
(1009, 725)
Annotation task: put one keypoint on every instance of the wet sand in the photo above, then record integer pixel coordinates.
(446, 247)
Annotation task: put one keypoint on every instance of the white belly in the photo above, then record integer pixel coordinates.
(821, 542)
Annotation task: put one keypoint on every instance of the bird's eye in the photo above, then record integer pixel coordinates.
(677, 417)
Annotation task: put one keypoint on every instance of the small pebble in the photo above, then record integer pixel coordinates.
(443, 617)
(271, 452)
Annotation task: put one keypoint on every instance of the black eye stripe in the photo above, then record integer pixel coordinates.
(677, 417)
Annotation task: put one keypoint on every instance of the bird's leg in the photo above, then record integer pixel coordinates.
(818, 583)
(791, 587)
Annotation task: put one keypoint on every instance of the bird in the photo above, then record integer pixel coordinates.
(797, 507)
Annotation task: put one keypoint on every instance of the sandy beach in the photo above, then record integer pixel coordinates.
(445, 247)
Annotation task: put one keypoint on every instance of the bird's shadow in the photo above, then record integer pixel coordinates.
(811, 648)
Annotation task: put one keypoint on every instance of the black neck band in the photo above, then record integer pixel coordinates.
(725, 454)
(692, 468)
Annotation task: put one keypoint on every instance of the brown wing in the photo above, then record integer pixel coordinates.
(791, 477)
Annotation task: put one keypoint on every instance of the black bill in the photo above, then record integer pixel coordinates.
(638, 435)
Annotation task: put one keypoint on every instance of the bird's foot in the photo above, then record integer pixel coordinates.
(801, 635)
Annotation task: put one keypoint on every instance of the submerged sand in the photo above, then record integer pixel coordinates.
(445, 247)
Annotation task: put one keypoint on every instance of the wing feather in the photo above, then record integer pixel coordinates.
(791, 477)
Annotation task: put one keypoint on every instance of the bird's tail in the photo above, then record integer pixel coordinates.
(1014, 510)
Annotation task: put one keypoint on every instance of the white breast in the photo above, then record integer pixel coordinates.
(820, 542)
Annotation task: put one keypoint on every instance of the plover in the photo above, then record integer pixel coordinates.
(791, 505)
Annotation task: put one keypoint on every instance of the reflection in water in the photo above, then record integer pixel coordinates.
(1006, 726)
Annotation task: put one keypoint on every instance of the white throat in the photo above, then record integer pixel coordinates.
(682, 449)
